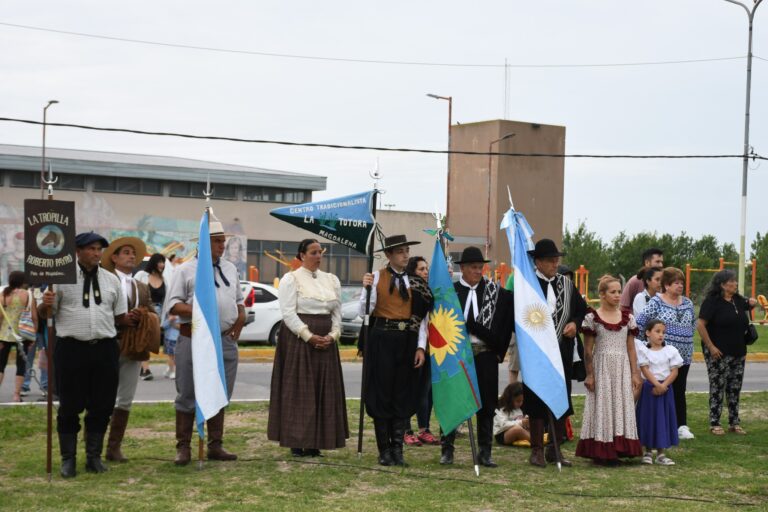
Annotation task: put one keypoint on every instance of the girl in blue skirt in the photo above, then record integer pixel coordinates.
(656, 420)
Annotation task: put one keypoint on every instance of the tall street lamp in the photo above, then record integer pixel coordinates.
(449, 99)
(488, 205)
(743, 231)
(42, 170)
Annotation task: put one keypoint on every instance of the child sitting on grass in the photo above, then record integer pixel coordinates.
(510, 425)
(656, 420)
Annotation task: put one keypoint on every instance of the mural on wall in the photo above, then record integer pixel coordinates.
(166, 235)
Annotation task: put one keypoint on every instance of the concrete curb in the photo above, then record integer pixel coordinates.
(349, 355)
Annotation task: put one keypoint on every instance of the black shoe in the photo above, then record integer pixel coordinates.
(146, 375)
(312, 452)
(297, 452)
(68, 449)
(94, 443)
(385, 458)
(484, 458)
(446, 457)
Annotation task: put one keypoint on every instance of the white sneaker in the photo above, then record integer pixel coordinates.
(167, 372)
(684, 432)
(172, 375)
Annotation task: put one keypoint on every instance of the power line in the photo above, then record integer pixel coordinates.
(754, 156)
(364, 61)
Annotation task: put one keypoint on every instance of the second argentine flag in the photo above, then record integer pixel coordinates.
(540, 362)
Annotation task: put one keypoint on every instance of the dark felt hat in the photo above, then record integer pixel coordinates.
(391, 242)
(472, 255)
(85, 239)
(545, 248)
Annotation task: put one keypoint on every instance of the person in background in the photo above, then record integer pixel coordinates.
(676, 311)
(15, 298)
(609, 427)
(653, 257)
(656, 422)
(723, 319)
(170, 328)
(307, 406)
(155, 277)
(510, 425)
(418, 267)
(651, 278)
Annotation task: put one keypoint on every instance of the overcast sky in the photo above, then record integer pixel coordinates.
(693, 108)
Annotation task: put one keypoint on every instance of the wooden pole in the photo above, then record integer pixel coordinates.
(49, 348)
(364, 332)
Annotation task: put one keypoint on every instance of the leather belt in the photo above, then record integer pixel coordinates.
(385, 324)
(186, 330)
(69, 339)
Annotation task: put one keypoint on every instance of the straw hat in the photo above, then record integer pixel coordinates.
(138, 245)
(216, 228)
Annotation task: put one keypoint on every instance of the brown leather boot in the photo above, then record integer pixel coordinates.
(537, 443)
(116, 432)
(215, 435)
(185, 421)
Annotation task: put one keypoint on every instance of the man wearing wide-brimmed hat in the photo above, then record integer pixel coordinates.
(136, 342)
(86, 354)
(229, 298)
(568, 309)
(489, 314)
(395, 347)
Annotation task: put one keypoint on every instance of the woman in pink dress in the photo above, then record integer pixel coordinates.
(609, 428)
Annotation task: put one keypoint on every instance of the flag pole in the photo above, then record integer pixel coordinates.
(555, 441)
(364, 330)
(473, 446)
(207, 194)
(51, 335)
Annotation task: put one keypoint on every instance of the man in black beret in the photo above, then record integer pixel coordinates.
(86, 353)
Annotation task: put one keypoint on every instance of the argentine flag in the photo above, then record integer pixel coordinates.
(207, 357)
(537, 344)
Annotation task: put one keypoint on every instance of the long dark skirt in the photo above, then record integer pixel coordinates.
(391, 388)
(656, 420)
(307, 407)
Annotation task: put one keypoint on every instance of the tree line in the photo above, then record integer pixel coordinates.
(621, 256)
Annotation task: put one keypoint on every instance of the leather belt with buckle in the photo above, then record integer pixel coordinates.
(390, 325)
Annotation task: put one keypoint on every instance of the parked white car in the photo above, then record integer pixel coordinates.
(262, 306)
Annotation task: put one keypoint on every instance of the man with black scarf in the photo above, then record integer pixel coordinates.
(489, 315)
(568, 309)
(86, 353)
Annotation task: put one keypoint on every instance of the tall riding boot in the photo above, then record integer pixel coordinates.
(549, 454)
(116, 432)
(94, 443)
(399, 426)
(537, 443)
(381, 428)
(68, 450)
(446, 447)
(485, 440)
(215, 435)
(184, 424)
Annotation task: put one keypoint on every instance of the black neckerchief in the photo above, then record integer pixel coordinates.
(221, 273)
(401, 286)
(90, 279)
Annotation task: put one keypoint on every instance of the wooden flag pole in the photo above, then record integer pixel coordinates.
(51, 335)
(555, 441)
(365, 329)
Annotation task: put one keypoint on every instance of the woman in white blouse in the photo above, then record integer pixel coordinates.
(307, 407)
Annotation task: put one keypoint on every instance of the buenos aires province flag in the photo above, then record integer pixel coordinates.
(540, 362)
(207, 357)
(454, 380)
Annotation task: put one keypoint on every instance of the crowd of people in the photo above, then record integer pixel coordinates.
(634, 360)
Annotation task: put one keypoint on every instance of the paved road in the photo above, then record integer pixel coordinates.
(253, 382)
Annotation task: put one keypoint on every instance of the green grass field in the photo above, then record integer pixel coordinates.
(712, 473)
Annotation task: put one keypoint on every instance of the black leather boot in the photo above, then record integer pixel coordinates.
(537, 443)
(68, 450)
(94, 443)
(446, 448)
(381, 429)
(485, 440)
(399, 426)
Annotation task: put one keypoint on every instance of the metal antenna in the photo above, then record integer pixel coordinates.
(51, 181)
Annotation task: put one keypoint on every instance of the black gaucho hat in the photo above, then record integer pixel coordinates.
(86, 239)
(391, 242)
(472, 255)
(545, 248)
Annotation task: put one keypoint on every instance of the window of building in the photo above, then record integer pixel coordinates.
(152, 187)
(127, 185)
(276, 195)
(71, 182)
(25, 179)
(224, 191)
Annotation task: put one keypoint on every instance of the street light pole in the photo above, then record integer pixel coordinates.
(745, 165)
(42, 169)
(488, 205)
(449, 99)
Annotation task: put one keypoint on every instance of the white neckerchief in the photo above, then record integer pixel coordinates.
(471, 299)
(128, 286)
(551, 298)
